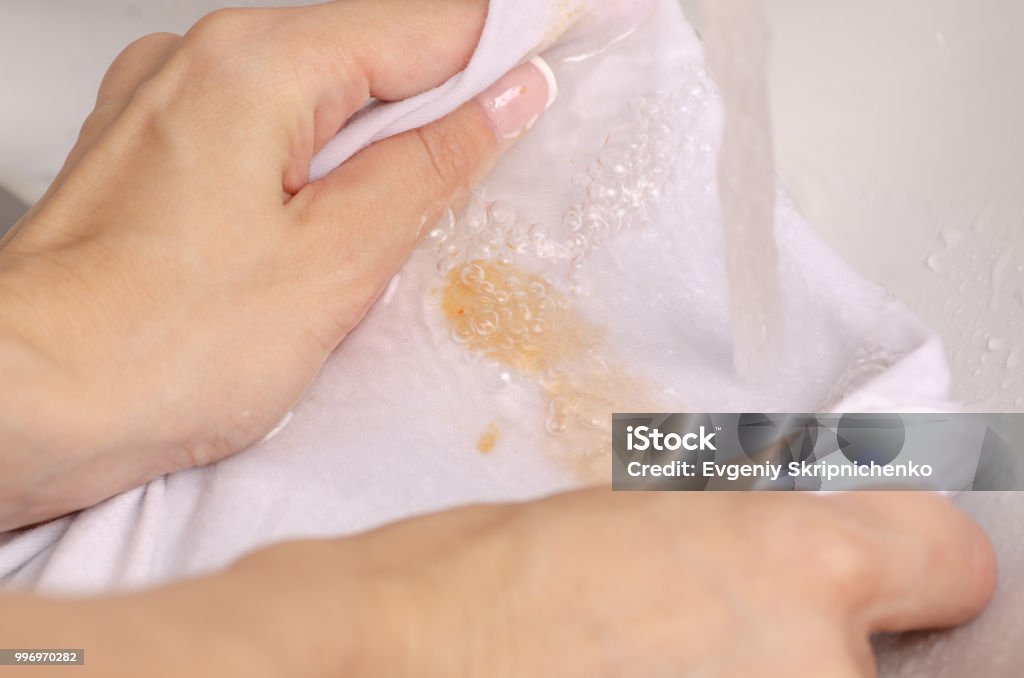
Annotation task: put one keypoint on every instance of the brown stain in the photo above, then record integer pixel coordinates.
(489, 439)
(520, 320)
(514, 317)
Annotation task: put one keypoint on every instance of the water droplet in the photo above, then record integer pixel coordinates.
(479, 252)
(447, 264)
(517, 328)
(281, 426)
(605, 191)
(492, 237)
(933, 262)
(434, 239)
(485, 323)
(557, 424)
(538, 235)
(999, 267)
(615, 160)
(995, 344)
(573, 221)
(471, 275)
(462, 333)
(590, 416)
(502, 213)
(496, 376)
(1014, 360)
(505, 258)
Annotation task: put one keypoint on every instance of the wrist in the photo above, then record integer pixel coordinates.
(28, 442)
(46, 422)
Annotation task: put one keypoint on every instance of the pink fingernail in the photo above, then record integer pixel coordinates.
(514, 103)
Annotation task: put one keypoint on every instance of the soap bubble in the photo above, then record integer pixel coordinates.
(447, 263)
(557, 424)
(462, 333)
(471, 275)
(502, 213)
(485, 323)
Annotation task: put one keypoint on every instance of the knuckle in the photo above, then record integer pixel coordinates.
(226, 23)
(834, 554)
(840, 556)
(832, 550)
(450, 156)
(243, 48)
(96, 122)
(141, 47)
(151, 41)
(217, 44)
(126, 64)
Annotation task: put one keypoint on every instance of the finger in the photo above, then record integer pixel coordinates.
(933, 566)
(311, 68)
(403, 183)
(137, 63)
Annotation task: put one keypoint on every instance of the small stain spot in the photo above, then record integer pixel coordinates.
(489, 439)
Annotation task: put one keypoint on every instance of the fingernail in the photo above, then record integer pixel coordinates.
(516, 101)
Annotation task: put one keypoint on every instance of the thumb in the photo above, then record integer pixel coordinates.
(401, 184)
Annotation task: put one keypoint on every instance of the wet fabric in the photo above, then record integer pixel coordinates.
(584, 277)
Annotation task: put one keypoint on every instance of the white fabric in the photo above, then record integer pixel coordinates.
(513, 31)
(391, 427)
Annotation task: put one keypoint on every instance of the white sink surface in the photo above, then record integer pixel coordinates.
(898, 131)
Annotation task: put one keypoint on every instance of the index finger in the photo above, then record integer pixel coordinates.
(309, 69)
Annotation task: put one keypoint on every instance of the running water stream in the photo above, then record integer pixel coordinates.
(736, 40)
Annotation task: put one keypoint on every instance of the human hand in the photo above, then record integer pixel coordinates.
(180, 285)
(590, 584)
(604, 584)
